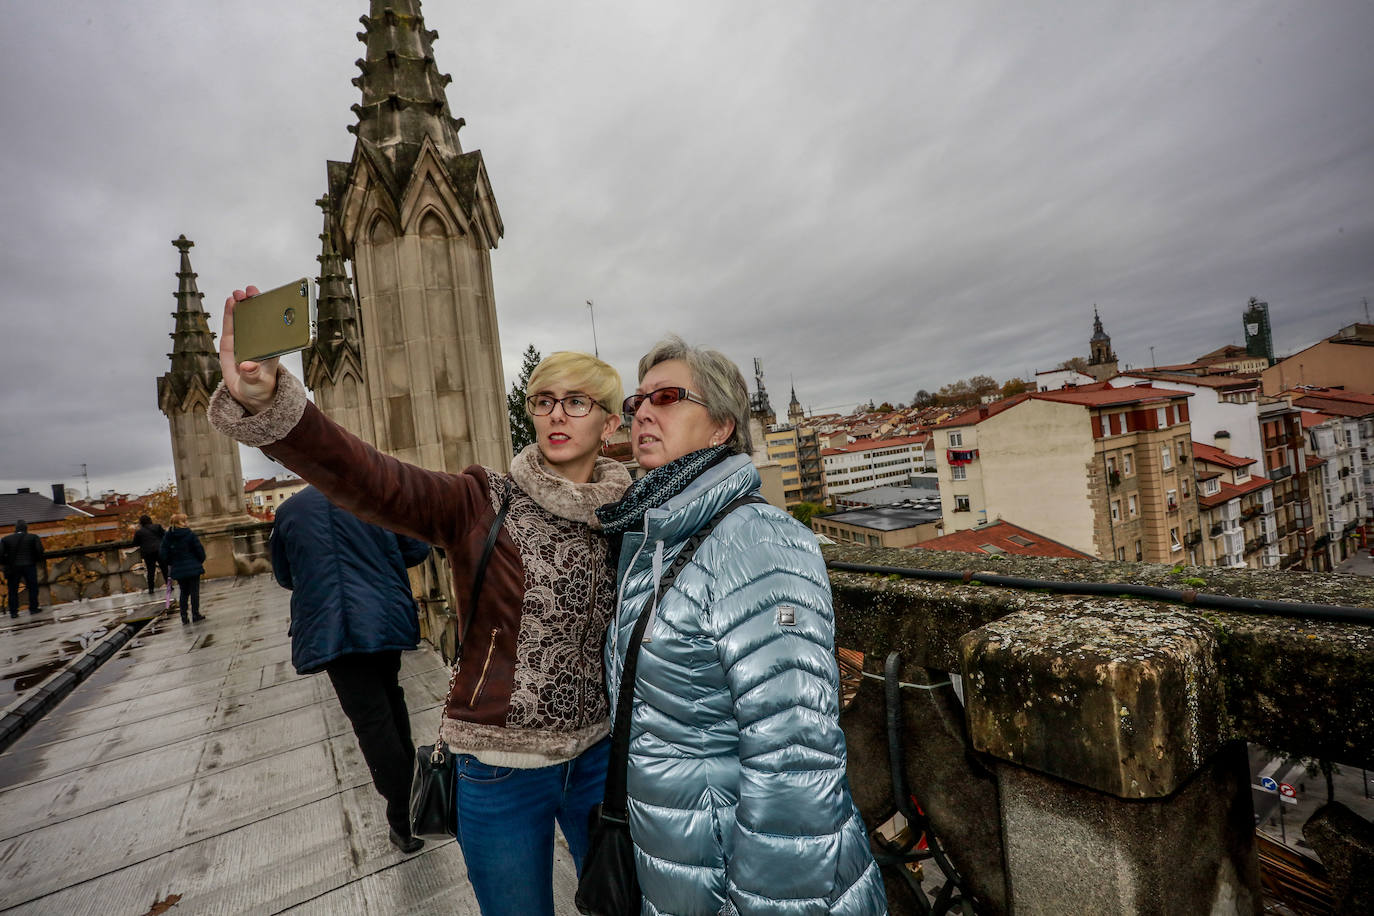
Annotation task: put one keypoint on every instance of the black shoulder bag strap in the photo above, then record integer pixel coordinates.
(614, 807)
(481, 573)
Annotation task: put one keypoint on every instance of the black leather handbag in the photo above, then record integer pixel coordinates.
(433, 786)
(609, 885)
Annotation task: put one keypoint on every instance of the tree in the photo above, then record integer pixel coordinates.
(1014, 386)
(804, 512)
(923, 398)
(982, 384)
(1077, 364)
(886, 407)
(521, 426)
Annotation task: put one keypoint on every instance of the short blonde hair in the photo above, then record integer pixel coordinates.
(582, 372)
(179, 520)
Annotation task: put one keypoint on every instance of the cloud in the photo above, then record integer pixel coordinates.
(871, 199)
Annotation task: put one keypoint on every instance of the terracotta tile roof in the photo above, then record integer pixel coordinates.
(1104, 395)
(1227, 382)
(1213, 455)
(1311, 418)
(979, 414)
(1342, 407)
(1231, 491)
(864, 445)
(1314, 462)
(998, 535)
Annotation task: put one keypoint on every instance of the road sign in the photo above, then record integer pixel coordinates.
(1268, 783)
(1287, 791)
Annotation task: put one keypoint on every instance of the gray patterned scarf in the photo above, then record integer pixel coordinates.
(656, 488)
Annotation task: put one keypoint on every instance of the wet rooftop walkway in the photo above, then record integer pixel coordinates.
(196, 772)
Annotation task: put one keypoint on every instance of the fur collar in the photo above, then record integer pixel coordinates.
(574, 501)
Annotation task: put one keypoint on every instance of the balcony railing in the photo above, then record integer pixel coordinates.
(1217, 529)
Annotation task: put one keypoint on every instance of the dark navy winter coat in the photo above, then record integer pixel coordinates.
(182, 552)
(349, 589)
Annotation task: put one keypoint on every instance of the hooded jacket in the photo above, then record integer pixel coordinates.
(182, 552)
(21, 548)
(529, 689)
(737, 792)
(349, 588)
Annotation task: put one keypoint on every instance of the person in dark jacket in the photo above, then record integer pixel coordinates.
(20, 554)
(148, 540)
(352, 614)
(184, 558)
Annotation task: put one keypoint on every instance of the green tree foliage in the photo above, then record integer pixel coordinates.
(1014, 386)
(521, 426)
(1077, 364)
(804, 512)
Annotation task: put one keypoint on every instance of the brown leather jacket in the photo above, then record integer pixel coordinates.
(530, 685)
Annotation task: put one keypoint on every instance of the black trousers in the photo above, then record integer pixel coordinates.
(371, 696)
(152, 563)
(190, 594)
(29, 575)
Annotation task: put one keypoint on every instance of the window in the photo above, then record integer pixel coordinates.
(1116, 510)
(1132, 507)
(1174, 543)
(1183, 486)
(1166, 457)
(1111, 464)
(959, 472)
(1171, 498)
(956, 440)
(961, 504)
(992, 548)
(1126, 464)
(1162, 417)
(873, 541)
(1019, 539)
(1139, 552)
(1121, 554)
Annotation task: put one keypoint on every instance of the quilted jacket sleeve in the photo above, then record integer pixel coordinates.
(774, 618)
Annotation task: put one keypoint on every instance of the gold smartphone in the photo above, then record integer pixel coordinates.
(281, 320)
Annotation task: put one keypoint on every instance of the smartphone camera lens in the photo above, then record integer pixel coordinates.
(289, 316)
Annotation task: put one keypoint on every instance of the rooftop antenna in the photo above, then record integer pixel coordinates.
(87, 478)
(1152, 358)
(1366, 310)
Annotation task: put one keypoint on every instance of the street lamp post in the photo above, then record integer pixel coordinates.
(595, 350)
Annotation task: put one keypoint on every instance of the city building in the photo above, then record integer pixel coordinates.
(1103, 470)
(44, 515)
(262, 495)
(1284, 462)
(1236, 510)
(869, 463)
(1002, 538)
(797, 451)
(1338, 441)
(1343, 360)
(880, 526)
(919, 489)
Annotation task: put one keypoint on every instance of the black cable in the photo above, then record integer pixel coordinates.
(1192, 597)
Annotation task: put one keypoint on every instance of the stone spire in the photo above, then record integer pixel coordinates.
(1101, 360)
(337, 334)
(195, 359)
(794, 408)
(208, 474)
(403, 91)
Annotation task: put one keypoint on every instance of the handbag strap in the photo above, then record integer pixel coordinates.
(614, 805)
(478, 577)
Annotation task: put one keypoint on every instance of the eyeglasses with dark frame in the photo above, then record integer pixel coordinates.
(660, 397)
(574, 405)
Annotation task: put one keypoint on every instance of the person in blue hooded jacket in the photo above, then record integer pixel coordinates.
(183, 557)
(352, 614)
(738, 801)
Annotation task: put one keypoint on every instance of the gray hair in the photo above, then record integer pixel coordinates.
(716, 378)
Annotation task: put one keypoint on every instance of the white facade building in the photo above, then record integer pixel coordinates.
(870, 463)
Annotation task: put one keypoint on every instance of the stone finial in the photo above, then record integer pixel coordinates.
(1123, 700)
(194, 357)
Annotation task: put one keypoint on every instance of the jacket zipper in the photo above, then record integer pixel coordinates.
(482, 678)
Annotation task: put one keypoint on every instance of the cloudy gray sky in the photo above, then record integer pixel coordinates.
(873, 198)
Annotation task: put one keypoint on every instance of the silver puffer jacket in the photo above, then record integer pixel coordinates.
(738, 796)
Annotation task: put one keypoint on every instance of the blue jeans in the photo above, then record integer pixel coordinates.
(505, 826)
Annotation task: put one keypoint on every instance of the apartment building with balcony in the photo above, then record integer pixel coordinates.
(1102, 469)
(797, 451)
(1236, 509)
(1336, 442)
(869, 463)
(1356, 410)
(1285, 463)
